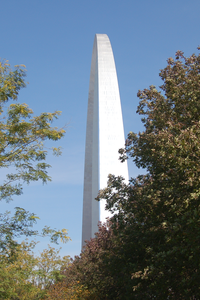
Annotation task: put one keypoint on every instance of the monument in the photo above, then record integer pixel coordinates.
(104, 136)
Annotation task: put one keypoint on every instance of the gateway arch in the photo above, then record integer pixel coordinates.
(104, 136)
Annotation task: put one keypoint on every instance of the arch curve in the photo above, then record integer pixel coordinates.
(104, 134)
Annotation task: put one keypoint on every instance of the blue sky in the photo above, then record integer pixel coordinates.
(54, 40)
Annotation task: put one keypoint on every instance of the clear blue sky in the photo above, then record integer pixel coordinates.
(54, 40)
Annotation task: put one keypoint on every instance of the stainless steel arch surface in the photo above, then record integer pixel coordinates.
(104, 136)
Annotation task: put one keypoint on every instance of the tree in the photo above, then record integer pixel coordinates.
(23, 153)
(16, 265)
(21, 224)
(22, 136)
(26, 276)
(152, 244)
(161, 208)
(68, 292)
(49, 267)
(89, 268)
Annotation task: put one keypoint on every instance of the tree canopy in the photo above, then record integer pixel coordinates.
(22, 135)
(22, 152)
(23, 155)
(24, 275)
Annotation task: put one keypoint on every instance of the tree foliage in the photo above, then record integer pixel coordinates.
(20, 225)
(102, 267)
(22, 135)
(76, 291)
(16, 265)
(23, 153)
(26, 276)
(169, 150)
(150, 250)
(49, 268)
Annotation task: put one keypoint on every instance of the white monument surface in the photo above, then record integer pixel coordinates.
(104, 136)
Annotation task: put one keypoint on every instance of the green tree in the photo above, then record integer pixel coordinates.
(49, 267)
(22, 136)
(159, 211)
(23, 153)
(20, 225)
(26, 276)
